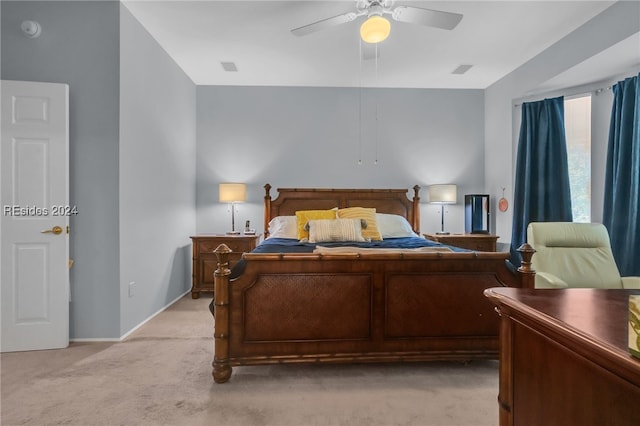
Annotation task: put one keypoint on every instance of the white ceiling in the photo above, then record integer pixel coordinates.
(620, 59)
(495, 37)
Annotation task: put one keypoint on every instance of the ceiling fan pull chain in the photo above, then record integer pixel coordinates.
(360, 106)
(375, 162)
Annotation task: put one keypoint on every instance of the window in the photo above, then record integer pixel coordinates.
(577, 121)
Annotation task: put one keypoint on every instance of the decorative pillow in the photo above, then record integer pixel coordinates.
(324, 230)
(369, 214)
(283, 227)
(304, 216)
(394, 226)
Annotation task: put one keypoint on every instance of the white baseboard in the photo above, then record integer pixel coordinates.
(124, 336)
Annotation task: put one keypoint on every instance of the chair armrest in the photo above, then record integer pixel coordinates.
(631, 282)
(547, 280)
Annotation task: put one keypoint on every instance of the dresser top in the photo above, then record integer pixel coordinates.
(597, 318)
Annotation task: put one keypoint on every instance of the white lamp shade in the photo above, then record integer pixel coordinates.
(375, 29)
(233, 192)
(443, 194)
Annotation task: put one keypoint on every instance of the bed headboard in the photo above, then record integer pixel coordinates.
(393, 201)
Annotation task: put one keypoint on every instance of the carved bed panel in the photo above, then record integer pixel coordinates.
(391, 201)
(306, 308)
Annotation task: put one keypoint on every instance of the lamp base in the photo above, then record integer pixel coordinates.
(443, 233)
(233, 232)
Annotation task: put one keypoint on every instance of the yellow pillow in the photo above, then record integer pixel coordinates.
(304, 216)
(367, 213)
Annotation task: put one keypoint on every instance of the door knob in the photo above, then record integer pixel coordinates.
(55, 230)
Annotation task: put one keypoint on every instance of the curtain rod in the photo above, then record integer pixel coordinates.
(595, 91)
(598, 91)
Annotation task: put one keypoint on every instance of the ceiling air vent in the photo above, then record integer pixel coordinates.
(229, 66)
(462, 69)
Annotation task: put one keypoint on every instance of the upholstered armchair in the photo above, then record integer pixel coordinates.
(574, 255)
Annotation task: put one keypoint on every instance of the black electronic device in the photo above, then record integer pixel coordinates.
(476, 213)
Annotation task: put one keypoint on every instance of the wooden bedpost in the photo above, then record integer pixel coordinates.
(527, 272)
(267, 209)
(416, 210)
(221, 368)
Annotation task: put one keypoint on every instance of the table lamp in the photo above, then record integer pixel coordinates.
(443, 194)
(233, 193)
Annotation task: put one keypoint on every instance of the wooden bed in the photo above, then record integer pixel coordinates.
(357, 307)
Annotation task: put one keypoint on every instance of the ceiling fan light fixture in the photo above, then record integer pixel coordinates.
(375, 29)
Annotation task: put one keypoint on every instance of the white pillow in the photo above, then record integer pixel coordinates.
(325, 230)
(283, 227)
(394, 226)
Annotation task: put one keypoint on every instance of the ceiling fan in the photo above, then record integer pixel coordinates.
(377, 28)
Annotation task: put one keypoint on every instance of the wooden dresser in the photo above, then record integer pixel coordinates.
(477, 242)
(564, 357)
(204, 260)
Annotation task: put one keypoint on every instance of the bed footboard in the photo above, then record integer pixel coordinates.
(305, 308)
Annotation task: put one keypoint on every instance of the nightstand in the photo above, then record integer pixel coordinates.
(204, 259)
(477, 242)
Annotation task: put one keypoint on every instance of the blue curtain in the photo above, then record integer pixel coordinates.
(621, 213)
(541, 192)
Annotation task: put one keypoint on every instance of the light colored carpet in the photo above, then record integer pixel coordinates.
(161, 375)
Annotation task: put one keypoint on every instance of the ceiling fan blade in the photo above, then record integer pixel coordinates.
(325, 23)
(427, 17)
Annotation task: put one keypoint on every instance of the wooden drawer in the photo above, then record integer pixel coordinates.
(235, 244)
(205, 262)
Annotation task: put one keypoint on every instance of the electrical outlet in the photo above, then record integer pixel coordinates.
(131, 286)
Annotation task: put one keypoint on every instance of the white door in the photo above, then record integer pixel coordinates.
(34, 180)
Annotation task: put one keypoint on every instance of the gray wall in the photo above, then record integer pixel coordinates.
(615, 24)
(157, 175)
(314, 137)
(79, 46)
(132, 157)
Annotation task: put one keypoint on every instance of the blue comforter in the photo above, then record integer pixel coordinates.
(288, 245)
